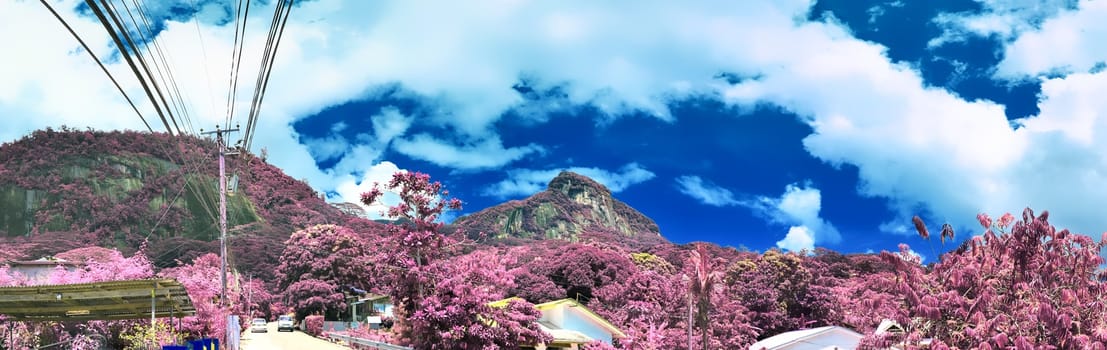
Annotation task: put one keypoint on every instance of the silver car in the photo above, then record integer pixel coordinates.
(284, 322)
(258, 325)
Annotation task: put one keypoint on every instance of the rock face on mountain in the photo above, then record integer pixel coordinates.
(572, 204)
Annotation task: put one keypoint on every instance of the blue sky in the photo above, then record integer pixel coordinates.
(762, 124)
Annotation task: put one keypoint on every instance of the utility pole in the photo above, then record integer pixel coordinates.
(250, 297)
(689, 321)
(223, 152)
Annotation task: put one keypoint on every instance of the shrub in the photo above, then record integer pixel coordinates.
(314, 325)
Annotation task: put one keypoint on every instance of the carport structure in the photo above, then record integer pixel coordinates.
(111, 300)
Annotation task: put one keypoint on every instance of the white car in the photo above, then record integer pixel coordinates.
(284, 322)
(258, 325)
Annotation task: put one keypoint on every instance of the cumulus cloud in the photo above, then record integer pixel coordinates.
(1070, 42)
(799, 208)
(706, 192)
(525, 182)
(349, 188)
(799, 238)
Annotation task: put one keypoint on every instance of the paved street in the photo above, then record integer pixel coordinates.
(273, 340)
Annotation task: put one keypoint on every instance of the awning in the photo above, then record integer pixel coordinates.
(113, 300)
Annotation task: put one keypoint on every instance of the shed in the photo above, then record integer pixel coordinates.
(111, 300)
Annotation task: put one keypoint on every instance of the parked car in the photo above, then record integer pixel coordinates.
(258, 325)
(284, 322)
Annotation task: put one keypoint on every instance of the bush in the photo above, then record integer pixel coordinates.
(314, 325)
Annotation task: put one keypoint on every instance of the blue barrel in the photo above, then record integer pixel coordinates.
(174, 347)
(204, 344)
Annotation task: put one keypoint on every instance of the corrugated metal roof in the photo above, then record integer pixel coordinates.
(111, 300)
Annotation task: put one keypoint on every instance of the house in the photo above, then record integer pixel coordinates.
(379, 305)
(570, 324)
(38, 271)
(822, 338)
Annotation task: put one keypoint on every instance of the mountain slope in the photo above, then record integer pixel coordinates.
(62, 189)
(572, 204)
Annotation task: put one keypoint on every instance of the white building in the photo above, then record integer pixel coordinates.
(822, 338)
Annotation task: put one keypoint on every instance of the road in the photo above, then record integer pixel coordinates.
(274, 340)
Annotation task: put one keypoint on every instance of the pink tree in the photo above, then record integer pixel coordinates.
(444, 304)
(416, 234)
(704, 284)
(457, 313)
(201, 280)
(319, 260)
(1025, 285)
(644, 305)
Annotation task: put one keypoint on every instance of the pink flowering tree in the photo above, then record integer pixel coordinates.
(318, 261)
(457, 313)
(644, 305)
(443, 304)
(416, 236)
(1021, 284)
(202, 280)
(783, 292)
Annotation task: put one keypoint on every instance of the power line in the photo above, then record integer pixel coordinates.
(162, 69)
(130, 62)
(204, 53)
(276, 32)
(165, 59)
(236, 58)
(99, 63)
(110, 9)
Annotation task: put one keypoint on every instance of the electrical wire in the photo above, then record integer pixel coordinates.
(163, 70)
(236, 58)
(165, 59)
(276, 32)
(110, 9)
(130, 62)
(99, 63)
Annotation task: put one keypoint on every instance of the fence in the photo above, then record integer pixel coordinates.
(366, 342)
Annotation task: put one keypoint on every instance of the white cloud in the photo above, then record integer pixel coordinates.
(798, 207)
(1003, 18)
(486, 153)
(525, 182)
(913, 256)
(390, 124)
(896, 228)
(327, 148)
(349, 189)
(799, 238)
(1070, 42)
(706, 192)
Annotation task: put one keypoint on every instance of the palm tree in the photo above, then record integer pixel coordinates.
(704, 281)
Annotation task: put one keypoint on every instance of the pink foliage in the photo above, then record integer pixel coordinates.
(443, 304)
(103, 265)
(201, 279)
(314, 325)
(317, 261)
(987, 292)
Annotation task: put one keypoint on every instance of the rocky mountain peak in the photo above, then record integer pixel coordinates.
(571, 204)
(580, 188)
